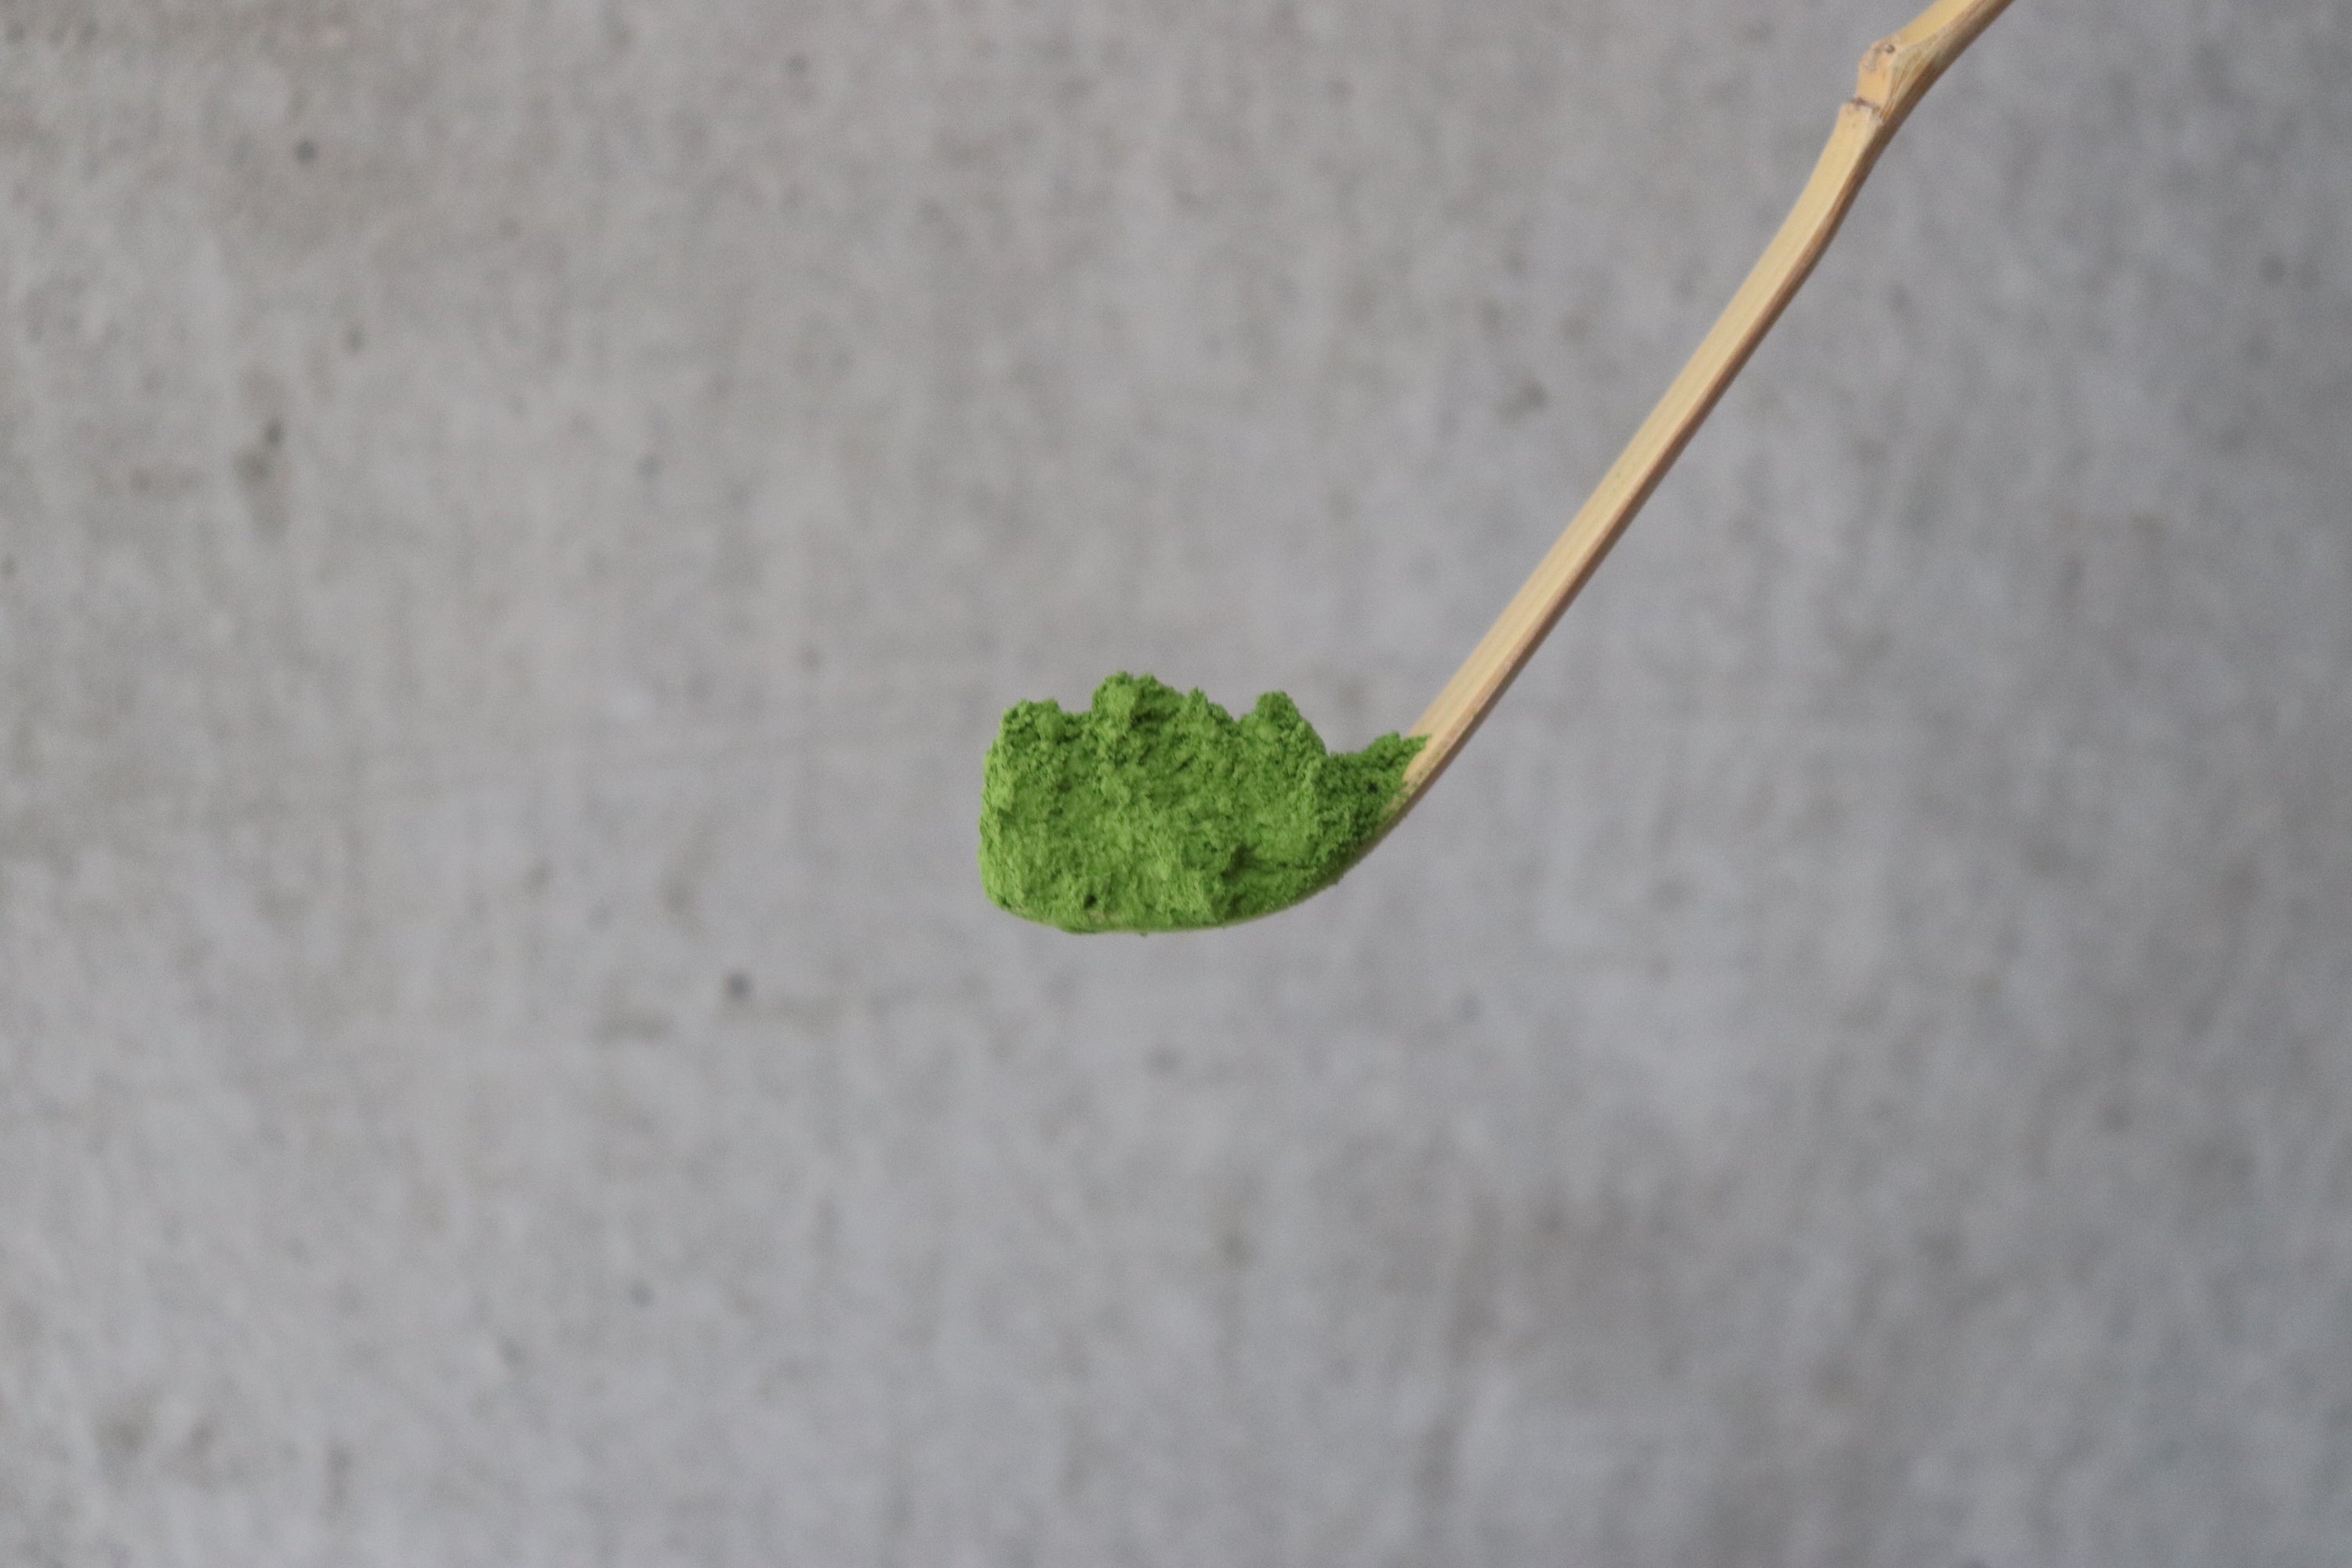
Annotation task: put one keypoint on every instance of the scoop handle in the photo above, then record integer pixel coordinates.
(1895, 73)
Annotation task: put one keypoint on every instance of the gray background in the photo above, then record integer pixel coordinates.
(519, 520)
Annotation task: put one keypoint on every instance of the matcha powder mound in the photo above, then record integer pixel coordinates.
(1158, 810)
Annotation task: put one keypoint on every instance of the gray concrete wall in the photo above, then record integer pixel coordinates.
(516, 521)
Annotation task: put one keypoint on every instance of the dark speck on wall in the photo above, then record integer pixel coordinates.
(305, 150)
(261, 476)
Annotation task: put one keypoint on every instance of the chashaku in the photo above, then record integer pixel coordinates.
(1155, 812)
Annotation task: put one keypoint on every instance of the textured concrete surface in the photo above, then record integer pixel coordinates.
(516, 522)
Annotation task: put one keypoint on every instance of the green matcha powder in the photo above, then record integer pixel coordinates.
(1158, 810)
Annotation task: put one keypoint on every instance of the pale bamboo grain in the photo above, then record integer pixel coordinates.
(1895, 73)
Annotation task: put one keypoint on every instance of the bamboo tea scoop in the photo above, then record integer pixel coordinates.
(1157, 811)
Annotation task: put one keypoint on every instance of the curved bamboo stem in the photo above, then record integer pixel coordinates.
(1895, 73)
